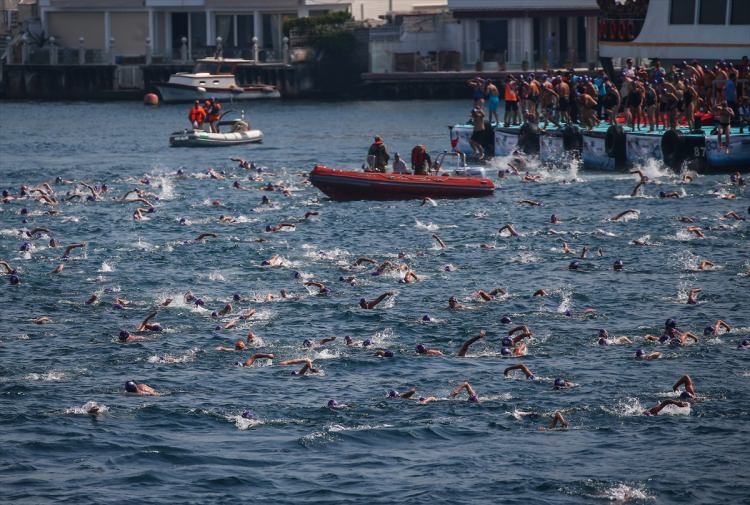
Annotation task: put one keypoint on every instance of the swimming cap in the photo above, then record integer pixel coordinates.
(237, 297)
(422, 398)
(426, 317)
(214, 314)
(333, 404)
(217, 327)
(25, 246)
(745, 343)
(507, 342)
(618, 265)
(559, 382)
(362, 300)
(131, 387)
(474, 399)
(574, 265)
(420, 348)
(247, 414)
(387, 354)
(686, 395)
(568, 313)
(505, 351)
(180, 171)
(307, 343)
(124, 335)
(670, 323)
(347, 339)
(708, 330)
(603, 333)
(452, 299)
(199, 301)
(662, 194)
(367, 342)
(155, 327)
(14, 279)
(392, 393)
(603, 341)
(505, 320)
(297, 274)
(640, 353)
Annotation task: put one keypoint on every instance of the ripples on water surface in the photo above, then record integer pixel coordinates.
(191, 445)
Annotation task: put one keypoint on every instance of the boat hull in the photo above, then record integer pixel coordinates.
(198, 138)
(176, 93)
(344, 185)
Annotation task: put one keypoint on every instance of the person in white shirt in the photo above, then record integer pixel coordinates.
(399, 167)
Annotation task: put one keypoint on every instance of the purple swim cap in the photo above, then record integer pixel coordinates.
(507, 342)
(574, 265)
(362, 300)
(131, 387)
(640, 353)
(124, 335)
(474, 399)
(505, 320)
(559, 382)
(247, 414)
(307, 343)
(367, 342)
(670, 323)
(14, 279)
(237, 297)
(200, 302)
(420, 348)
(422, 398)
(347, 339)
(426, 317)
(392, 393)
(388, 354)
(708, 330)
(333, 404)
(214, 314)
(505, 351)
(618, 265)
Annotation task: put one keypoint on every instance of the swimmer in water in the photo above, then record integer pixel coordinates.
(561, 383)
(278, 227)
(669, 194)
(647, 356)
(453, 303)
(532, 203)
(147, 326)
(238, 346)
(705, 263)
(310, 344)
(6, 266)
(69, 248)
(654, 411)
(308, 365)
(465, 346)
(424, 351)
(363, 303)
(734, 215)
(625, 213)
(604, 339)
(509, 228)
(540, 292)
(273, 261)
(363, 259)
(438, 240)
(689, 392)
(140, 389)
(696, 230)
(322, 289)
(691, 300)
(59, 268)
(491, 295)
(204, 236)
(528, 373)
(473, 398)
(125, 337)
(405, 395)
(716, 328)
(427, 200)
(249, 361)
(643, 179)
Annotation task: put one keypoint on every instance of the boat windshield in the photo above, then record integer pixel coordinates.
(449, 162)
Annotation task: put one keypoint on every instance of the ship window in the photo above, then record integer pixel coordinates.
(713, 12)
(740, 12)
(682, 12)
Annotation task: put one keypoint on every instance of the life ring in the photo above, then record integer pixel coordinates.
(572, 138)
(528, 138)
(615, 144)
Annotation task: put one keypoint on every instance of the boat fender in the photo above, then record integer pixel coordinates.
(572, 138)
(528, 138)
(673, 149)
(615, 143)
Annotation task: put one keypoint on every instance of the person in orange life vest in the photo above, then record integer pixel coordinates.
(214, 114)
(197, 115)
(420, 160)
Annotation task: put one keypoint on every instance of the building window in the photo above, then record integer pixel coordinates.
(225, 29)
(493, 39)
(682, 12)
(245, 30)
(740, 12)
(713, 12)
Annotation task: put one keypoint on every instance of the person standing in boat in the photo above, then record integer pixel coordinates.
(477, 119)
(420, 160)
(197, 115)
(214, 114)
(377, 155)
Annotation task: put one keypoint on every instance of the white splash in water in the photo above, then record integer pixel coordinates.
(106, 267)
(89, 408)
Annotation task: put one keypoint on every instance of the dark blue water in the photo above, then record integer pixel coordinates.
(190, 444)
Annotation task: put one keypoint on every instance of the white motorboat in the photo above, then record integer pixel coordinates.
(238, 132)
(213, 77)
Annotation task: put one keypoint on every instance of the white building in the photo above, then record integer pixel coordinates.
(538, 32)
(165, 22)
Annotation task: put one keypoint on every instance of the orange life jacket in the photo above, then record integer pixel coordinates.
(509, 94)
(197, 114)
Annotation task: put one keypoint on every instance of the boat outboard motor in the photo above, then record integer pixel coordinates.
(615, 145)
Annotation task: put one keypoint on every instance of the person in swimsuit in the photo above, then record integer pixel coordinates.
(493, 101)
(654, 411)
(650, 106)
(477, 119)
(725, 114)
